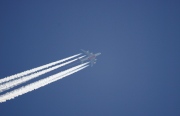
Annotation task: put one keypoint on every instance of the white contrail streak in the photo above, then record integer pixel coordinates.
(41, 83)
(35, 69)
(24, 79)
(67, 74)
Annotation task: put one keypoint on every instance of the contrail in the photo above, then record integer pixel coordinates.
(41, 83)
(67, 74)
(24, 79)
(34, 69)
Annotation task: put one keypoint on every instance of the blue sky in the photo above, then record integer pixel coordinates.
(136, 75)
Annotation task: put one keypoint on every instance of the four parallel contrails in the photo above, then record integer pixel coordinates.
(17, 79)
(35, 69)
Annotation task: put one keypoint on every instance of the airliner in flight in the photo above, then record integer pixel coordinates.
(90, 57)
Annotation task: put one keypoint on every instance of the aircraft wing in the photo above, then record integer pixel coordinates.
(86, 52)
(93, 62)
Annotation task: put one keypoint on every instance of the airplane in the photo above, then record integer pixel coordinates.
(90, 56)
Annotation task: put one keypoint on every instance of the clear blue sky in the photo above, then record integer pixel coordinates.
(138, 73)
